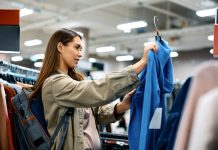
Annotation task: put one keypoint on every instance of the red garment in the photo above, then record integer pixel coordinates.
(11, 93)
(6, 142)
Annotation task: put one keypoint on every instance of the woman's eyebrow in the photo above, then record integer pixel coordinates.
(80, 46)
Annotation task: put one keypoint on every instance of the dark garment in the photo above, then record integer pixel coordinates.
(168, 134)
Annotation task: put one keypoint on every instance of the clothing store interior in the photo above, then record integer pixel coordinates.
(174, 105)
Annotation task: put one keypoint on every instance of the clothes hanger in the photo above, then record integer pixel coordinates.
(157, 37)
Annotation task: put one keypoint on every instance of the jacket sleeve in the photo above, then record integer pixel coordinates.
(105, 114)
(91, 93)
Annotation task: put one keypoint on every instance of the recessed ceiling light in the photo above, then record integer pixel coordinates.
(174, 54)
(92, 60)
(38, 64)
(126, 27)
(124, 58)
(211, 51)
(207, 12)
(33, 42)
(105, 49)
(16, 58)
(210, 37)
(25, 12)
(37, 57)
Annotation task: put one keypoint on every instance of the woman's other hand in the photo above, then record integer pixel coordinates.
(125, 104)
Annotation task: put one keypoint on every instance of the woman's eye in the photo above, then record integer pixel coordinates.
(77, 47)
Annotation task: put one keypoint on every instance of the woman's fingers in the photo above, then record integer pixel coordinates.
(132, 92)
(154, 47)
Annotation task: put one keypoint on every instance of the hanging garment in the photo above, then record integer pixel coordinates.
(11, 93)
(168, 134)
(204, 79)
(205, 124)
(6, 142)
(156, 80)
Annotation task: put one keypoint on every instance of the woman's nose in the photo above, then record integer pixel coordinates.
(80, 54)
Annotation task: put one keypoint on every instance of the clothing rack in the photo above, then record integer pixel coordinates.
(111, 136)
(19, 69)
(112, 141)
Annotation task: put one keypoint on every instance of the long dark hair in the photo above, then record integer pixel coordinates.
(51, 60)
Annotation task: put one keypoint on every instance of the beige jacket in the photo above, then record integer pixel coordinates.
(60, 91)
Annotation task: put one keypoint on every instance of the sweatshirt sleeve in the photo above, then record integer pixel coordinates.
(88, 93)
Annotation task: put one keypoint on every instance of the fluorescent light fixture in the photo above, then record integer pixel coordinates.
(33, 42)
(92, 60)
(105, 49)
(37, 57)
(207, 12)
(38, 64)
(126, 27)
(174, 54)
(16, 58)
(211, 51)
(127, 30)
(210, 37)
(25, 12)
(124, 58)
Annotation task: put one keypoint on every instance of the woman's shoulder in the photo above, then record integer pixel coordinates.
(55, 77)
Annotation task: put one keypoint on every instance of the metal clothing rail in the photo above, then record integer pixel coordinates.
(112, 141)
(111, 136)
(19, 69)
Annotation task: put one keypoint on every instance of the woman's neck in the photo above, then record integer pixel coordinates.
(63, 69)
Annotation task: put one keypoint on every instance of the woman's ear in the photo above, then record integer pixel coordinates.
(59, 47)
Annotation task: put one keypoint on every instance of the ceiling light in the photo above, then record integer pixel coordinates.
(25, 12)
(37, 57)
(128, 26)
(92, 60)
(211, 51)
(33, 42)
(80, 33)
(174, 54)
(38, 64)
(210, 37)
(105, 49)
(207, 12)
(16, 58)
(124, 58)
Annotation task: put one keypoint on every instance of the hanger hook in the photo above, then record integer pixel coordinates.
(155, 22)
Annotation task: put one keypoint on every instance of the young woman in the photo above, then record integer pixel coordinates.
(62, 87)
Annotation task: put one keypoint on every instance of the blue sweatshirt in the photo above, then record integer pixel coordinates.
(156, 80)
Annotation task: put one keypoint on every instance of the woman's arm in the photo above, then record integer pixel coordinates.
(113, 112)
(123, 106)
(140, 65)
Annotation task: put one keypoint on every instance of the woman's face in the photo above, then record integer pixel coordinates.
(71, 53)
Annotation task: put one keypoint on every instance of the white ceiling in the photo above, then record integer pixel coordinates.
(178, 23)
